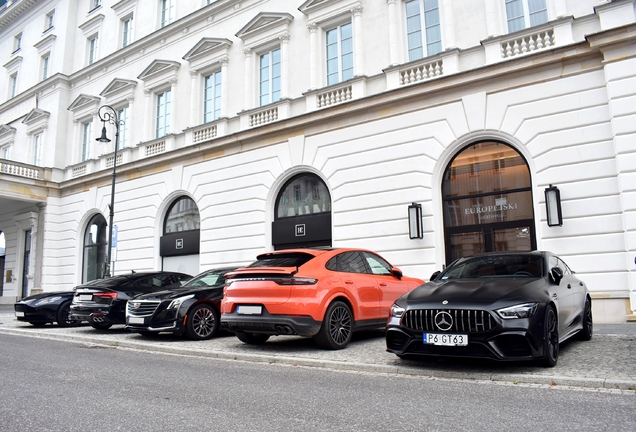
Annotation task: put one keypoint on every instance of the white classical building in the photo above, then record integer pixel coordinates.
(244, 126)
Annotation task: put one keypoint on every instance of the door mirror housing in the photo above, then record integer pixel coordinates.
(435, 275)
(397, 272)
(556, 274)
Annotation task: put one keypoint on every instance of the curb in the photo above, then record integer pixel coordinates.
(552, 381)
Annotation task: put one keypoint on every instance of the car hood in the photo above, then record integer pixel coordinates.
(178, 292)
(475, 290)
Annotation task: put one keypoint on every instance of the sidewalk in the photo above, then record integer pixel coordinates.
(605, 362)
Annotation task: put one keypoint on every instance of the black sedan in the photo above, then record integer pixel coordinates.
(45, 308)
(502, 306)
(102, 302)
(192, 309)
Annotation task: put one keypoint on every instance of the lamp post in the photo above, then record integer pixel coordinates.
(106, 117)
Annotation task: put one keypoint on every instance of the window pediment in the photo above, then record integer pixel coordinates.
(123, 7)
(159, 68)
(7, 134)
(82, 105)
(92, 25)
(264, 23)
(312, 6)
(13, 64)
(324, 10)
(45, 44)
(35, 115)
(118, 85)
(207, 47)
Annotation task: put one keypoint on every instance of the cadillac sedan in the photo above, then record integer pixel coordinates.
(502, 306)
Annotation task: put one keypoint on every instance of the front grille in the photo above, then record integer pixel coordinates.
(144, 307)
(463, 320)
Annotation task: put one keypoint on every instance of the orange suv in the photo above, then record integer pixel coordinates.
(326, 294)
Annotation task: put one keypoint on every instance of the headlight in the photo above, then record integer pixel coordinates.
(525, 310)
(47, 300)
(397, 311)
(176, 303)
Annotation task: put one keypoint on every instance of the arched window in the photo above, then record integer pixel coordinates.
(95, 245)
(487, 197)
(183, 215)
(304, 194)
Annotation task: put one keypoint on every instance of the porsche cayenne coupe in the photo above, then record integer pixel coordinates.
(44, 308)
(102, 302)
(322, 293)
(192, 310)
(502, 306)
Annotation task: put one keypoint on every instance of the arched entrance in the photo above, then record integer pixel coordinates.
(179, 244)
(302, 215)
(487, 199)
(95, 246)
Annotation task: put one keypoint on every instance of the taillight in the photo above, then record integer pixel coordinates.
(108, 294)
(296, 281)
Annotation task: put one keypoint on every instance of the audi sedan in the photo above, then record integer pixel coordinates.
(326, 294)
(502, 306)
(45, 308)
(191, 310)
(102, 302)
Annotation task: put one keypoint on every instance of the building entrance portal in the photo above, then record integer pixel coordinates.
(487, 197)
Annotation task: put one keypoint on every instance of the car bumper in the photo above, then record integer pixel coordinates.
(267, 323)
(30, 314)
(513, 341)
(97, 314)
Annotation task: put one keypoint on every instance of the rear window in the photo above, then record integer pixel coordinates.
(206, 280)
(295, 259)
(110, 281)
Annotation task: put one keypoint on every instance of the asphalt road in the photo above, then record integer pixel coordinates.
(51, 385)
(605, 362)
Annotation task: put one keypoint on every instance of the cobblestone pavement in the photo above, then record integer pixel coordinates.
(608, 361)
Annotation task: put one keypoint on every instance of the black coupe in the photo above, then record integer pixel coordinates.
(45, 308)
(102, 302)
(502, 306)
(192, 309)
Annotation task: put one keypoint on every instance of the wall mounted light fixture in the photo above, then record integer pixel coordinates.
(416, 229)
(553, 206)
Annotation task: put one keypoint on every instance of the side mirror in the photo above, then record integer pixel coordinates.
(434, 275)
(396, 272)
(556, 274)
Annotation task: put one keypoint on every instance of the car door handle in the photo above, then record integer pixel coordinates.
(382, 283)
(349, 282)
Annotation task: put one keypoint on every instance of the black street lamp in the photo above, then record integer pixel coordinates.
(106, 117)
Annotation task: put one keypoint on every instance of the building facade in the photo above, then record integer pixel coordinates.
(241, 126)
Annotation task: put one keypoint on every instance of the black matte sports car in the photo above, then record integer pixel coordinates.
(502, 306)
(45, 308)
(102, 302)
(192, 309)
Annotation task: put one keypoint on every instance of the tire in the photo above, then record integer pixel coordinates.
(63, 318)
(588, 325)
(337, 327)
(99, 325)
(202, 323)
(252, 338)
(550, 338)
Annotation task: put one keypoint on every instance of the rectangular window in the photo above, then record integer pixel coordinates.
(163, 114)
(13, 85)
(167, 11)
(17, 42)
(49, 20)
(37, 144)
(45, 65)
(522, 14)
(95, 4)
(92, 50)
(86, 139)
(339, 54)
(212, 97)
(6, 152)
(126, 36)
(431, 38)
(269, 82)
(122, 116)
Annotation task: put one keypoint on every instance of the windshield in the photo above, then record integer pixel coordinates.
(206, 280)
(529, 266)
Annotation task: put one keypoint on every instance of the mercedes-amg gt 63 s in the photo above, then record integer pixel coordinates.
(192, 310)
(502, 306)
